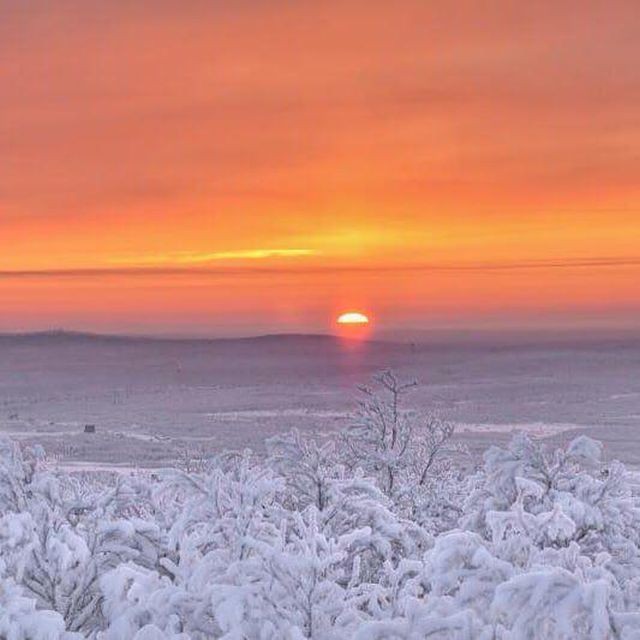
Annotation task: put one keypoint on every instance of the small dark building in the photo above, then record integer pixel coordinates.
(89, 428)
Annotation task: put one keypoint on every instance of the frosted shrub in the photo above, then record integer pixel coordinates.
(409, 455)
(569, 524)
(57, 547)
(398, 448)
(310, 470)
(554, 498)
(344, 501)
(20, 620)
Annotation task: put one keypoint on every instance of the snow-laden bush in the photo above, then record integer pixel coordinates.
(409, 455)
(56, 545)
(20, 620)
(569, 525)
(368, 535)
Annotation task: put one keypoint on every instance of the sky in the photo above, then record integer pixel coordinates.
(234, 167)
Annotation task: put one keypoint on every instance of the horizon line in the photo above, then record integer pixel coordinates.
(403, 335)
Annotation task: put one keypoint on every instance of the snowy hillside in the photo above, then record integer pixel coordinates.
(384, 530)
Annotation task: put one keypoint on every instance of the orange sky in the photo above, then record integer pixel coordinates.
(220, 167)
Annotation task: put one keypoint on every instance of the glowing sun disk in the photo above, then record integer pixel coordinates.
(353, 317)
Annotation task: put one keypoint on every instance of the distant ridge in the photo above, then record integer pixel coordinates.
(61, 335)
(426, 339)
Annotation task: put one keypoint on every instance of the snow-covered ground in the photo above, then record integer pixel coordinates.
(387, 530)
(150, 400)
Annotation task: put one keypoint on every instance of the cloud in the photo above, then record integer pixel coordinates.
(192, 257)
(174, 269)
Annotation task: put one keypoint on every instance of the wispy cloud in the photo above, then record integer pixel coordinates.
(199, 258)
(191, 257)
(195, 268)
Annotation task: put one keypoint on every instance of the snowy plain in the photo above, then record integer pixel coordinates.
(153, 399)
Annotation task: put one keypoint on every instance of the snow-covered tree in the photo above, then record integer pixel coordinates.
(20, 620)
(410, 455)
(310, 470)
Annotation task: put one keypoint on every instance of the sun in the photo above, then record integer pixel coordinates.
(353, 318)
(354, 327)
